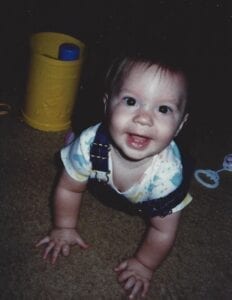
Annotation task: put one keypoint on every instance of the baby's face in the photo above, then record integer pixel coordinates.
(148, 112)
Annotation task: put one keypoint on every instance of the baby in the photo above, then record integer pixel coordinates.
(132, 156)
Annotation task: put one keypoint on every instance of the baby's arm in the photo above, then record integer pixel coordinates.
(67, 201)
(136, 273)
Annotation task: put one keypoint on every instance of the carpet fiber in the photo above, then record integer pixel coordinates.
(199, 267)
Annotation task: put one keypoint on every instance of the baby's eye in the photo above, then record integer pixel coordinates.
(164, 109)
(129, 101)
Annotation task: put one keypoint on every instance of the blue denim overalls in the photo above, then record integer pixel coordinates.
(108, 196)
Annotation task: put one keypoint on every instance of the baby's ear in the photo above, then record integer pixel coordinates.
(105, 101)
(185, 119)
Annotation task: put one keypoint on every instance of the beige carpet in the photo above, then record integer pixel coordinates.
(199, 266)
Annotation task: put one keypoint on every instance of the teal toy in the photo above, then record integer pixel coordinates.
(213, 176)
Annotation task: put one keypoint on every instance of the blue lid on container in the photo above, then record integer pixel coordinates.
(69, 51)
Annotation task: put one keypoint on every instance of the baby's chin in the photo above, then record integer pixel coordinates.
(136, 155)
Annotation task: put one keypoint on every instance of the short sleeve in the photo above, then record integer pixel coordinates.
(76, 155)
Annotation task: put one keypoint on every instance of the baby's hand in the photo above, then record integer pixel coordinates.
(59, 241)
(134, 276)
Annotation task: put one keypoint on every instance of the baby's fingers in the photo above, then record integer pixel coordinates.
(43, 241)
(49, 247)
(66, 250)
(122, 266)
(136, 289)
(145, 289)
(81, 243)
(55, 253)
(125, 275)
(130, 283)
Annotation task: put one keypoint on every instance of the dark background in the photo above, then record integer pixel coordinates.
(199, 267)
(202, 29)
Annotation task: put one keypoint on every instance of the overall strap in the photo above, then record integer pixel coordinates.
(164, 205)
(99, 152)
(150, 208)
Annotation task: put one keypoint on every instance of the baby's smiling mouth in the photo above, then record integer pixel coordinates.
(137, 141)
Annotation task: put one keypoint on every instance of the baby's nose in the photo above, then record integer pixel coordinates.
(144, 117)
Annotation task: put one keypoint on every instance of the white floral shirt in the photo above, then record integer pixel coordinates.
(161, 178)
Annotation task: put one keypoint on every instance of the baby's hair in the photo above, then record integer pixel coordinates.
(122, 65)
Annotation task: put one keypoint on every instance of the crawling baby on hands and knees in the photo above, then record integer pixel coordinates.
(133, 156)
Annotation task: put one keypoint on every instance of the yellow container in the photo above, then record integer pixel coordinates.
(52, 84)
